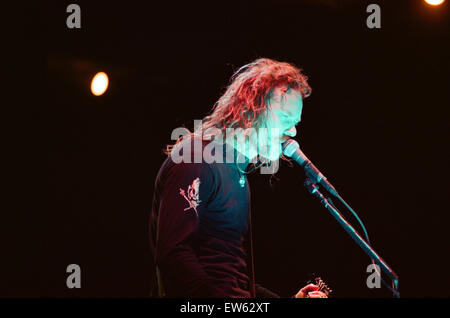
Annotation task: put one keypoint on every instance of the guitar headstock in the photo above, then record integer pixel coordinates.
(323, 287)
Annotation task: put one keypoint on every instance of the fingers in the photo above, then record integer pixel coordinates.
(309, 288)
(305, 290)
(317, 294)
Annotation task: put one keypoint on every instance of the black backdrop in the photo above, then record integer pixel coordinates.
(376, 125)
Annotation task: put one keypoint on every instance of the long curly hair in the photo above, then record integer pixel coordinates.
(245, 102)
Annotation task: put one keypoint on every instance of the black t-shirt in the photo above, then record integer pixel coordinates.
(200, 218)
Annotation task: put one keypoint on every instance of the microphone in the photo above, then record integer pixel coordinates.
(291, 149)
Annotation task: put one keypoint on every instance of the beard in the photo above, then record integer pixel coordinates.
(271, 150)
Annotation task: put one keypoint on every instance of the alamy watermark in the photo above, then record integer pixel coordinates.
(373, 21)
(74, 279)
(73, 21)
(374, 279)
(249, 144)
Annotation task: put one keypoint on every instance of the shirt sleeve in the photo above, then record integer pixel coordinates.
(185, 192)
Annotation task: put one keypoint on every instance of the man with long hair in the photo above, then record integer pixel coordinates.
(200, 229)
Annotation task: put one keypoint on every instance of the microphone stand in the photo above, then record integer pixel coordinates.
(314, 189)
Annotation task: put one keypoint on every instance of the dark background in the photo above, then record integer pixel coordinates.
(376, 125)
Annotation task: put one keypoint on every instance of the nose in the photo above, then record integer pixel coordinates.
(292, 132)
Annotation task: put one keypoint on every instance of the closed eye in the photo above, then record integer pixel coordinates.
(295, 123)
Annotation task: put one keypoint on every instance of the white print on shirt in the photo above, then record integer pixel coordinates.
(192, 195)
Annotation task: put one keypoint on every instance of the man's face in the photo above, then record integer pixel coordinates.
(286, 111)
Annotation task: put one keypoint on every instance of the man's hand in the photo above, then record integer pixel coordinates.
(310, 291)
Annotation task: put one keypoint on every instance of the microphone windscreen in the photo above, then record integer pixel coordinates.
(290, 146)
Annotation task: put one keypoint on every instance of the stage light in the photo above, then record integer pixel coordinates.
(434, 2)
(99, 83)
